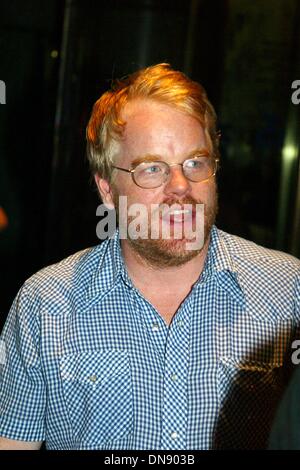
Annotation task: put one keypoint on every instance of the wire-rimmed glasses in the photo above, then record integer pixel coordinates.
(152, 174)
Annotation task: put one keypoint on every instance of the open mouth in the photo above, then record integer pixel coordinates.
(178, 216)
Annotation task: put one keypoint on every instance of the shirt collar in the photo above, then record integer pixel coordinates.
(218, 257)
(110, 268)
(221, 265)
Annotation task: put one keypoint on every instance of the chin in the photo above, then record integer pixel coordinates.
(164, 253)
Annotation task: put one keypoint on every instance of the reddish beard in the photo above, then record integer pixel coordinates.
(172, 252)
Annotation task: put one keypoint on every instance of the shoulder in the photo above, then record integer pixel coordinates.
(246, 253)
(65, 278)
(269, 279)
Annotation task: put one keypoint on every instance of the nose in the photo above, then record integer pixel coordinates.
(177, 184)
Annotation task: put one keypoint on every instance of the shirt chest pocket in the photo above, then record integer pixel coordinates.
(98, 393)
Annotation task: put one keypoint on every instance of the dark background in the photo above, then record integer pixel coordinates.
(57, 57)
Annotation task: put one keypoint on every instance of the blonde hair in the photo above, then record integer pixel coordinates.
(158, 82)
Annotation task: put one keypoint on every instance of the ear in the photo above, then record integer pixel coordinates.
(105, 191)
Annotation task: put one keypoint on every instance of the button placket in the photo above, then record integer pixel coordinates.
(174, 417)
(155, 326)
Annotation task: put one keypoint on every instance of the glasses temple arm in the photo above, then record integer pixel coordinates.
(123, 169)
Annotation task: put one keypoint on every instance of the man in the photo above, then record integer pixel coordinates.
(147, 343)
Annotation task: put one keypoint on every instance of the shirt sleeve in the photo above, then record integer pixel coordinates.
(22, 386)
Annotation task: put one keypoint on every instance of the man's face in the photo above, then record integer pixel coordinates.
(161, 131)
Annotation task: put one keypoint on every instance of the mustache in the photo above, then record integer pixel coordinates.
(180, 202)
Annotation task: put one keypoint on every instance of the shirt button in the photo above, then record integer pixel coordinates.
(155, 327)
(93, 378)
(180, 324)
(174, 435)
(174, 377)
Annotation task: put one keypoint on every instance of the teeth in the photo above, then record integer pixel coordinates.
(178, 212)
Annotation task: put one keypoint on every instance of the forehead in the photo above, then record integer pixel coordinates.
(159, 129)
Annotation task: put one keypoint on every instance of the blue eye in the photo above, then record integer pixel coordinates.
(194, 164)
(152, 169)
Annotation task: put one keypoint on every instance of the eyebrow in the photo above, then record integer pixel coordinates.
(155, 158)
(146, 158)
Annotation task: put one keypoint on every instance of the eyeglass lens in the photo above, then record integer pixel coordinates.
(153, 174)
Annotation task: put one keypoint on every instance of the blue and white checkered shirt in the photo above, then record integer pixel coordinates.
(88, 363)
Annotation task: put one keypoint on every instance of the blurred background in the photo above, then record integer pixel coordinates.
(57, 57)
